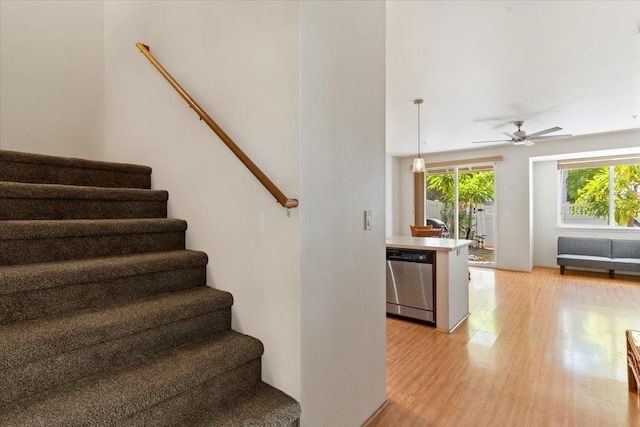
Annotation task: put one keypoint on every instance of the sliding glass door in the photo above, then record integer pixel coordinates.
(467, 207)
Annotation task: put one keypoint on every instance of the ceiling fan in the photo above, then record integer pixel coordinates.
(520, 137)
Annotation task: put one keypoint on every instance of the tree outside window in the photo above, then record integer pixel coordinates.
(473, 188)
(608, 195)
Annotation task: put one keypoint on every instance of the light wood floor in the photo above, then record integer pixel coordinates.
(539, 349)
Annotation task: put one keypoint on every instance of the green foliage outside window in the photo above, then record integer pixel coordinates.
(576, 180)
(594, 192)
(473, 188)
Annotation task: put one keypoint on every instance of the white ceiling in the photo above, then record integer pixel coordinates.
(479, 65)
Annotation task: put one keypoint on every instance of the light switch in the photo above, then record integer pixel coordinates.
(367, 220)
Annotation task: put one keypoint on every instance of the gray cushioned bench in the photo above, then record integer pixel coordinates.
(607, 254)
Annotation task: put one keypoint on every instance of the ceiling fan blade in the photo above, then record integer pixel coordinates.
(544, 132)
(497, 140)
(536, 138)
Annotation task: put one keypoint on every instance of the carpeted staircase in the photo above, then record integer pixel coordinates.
(105, 318)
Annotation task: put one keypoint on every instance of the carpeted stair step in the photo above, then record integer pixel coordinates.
(20, 201)
(107, 398)
(261, 406)
(24, 242)
(182, 409)
(41, 354)
(37, 168)
(250, 404)
(35, 290)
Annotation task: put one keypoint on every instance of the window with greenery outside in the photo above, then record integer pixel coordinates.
(586, 195)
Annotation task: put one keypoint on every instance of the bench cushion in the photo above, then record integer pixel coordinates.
(584, 246)
(625, 249)
(628, 264)
(586, 261)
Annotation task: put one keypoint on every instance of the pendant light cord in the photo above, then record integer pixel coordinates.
(418, 129)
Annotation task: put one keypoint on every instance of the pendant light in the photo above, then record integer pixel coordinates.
(418, 162)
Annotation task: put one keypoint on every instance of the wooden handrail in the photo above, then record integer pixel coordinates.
(255, 170)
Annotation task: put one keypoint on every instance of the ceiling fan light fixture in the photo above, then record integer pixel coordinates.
(418, 162)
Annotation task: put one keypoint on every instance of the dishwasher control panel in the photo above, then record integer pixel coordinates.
(410, 256)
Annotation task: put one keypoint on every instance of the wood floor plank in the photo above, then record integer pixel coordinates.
(539, 349)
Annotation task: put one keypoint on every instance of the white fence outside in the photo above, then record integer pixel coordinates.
(571, 213)
(483, 219)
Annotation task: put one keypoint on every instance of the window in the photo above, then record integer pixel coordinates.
(600, 192)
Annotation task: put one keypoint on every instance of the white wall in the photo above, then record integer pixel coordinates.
(514, 223)
(51, 77)
(406, 206)
(397, 191)
(342, 175)
(240, 61)
(300, 87)
(390, 211)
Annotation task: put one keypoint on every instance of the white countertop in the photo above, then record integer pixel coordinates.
(430, 243)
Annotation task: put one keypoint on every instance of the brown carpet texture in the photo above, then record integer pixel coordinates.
(105, 317)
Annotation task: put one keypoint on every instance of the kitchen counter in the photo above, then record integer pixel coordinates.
(428, 243)
(451, 276)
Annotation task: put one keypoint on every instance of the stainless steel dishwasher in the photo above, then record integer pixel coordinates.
(410, 284)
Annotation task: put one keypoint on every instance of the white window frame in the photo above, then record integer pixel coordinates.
(598, 162)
